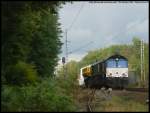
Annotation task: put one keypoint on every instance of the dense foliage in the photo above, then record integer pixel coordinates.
(30, 34)
(30, 45)
(49, 95)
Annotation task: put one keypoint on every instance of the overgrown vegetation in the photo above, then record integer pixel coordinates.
(120, 104)
(30, 47)
(49, 95)
(30, 34)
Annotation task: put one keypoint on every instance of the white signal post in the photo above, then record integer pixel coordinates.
(142, 63)
(66, 54)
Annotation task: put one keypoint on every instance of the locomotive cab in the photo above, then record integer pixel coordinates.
(117, 71)
(116, 68)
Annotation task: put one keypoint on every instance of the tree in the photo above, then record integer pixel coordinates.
(136, 46)
(31, 34)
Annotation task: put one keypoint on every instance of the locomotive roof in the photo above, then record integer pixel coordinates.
(116, 56)
(86, 66)
(100, 61)
(110, 57)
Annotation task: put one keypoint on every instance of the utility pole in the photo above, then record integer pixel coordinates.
(66, 54)
(142, 63)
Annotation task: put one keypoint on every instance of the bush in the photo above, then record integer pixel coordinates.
(45, 96)
(21, 73)
(11, 98)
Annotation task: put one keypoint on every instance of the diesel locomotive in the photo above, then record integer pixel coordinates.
(111, 72)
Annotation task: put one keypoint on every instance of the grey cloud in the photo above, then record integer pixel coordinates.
(105, 24)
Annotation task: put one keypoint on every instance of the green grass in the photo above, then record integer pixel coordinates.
(122, 104)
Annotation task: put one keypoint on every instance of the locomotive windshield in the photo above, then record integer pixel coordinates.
(122, 63)
(117, 63)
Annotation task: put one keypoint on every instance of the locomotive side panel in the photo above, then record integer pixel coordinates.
(99, 69)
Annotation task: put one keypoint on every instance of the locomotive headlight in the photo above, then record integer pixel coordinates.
(124, 74)
(110, 74)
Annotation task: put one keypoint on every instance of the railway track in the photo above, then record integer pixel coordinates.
(91, 101)
(100, 95)
(137, 89)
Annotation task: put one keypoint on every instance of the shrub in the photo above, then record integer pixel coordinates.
(11, 99)
(21, 73)
(45, 96)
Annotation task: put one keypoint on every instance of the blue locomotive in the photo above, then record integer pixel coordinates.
(110, 73)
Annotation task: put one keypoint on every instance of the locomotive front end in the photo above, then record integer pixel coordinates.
(117, 72)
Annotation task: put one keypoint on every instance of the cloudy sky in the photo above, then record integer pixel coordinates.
(97, 25)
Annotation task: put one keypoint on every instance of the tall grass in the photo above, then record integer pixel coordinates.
(122, 104)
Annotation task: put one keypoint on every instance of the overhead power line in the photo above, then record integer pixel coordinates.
(122, 31)
(65, 74)
(66, 31)
(80, 47)
(76, 17)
